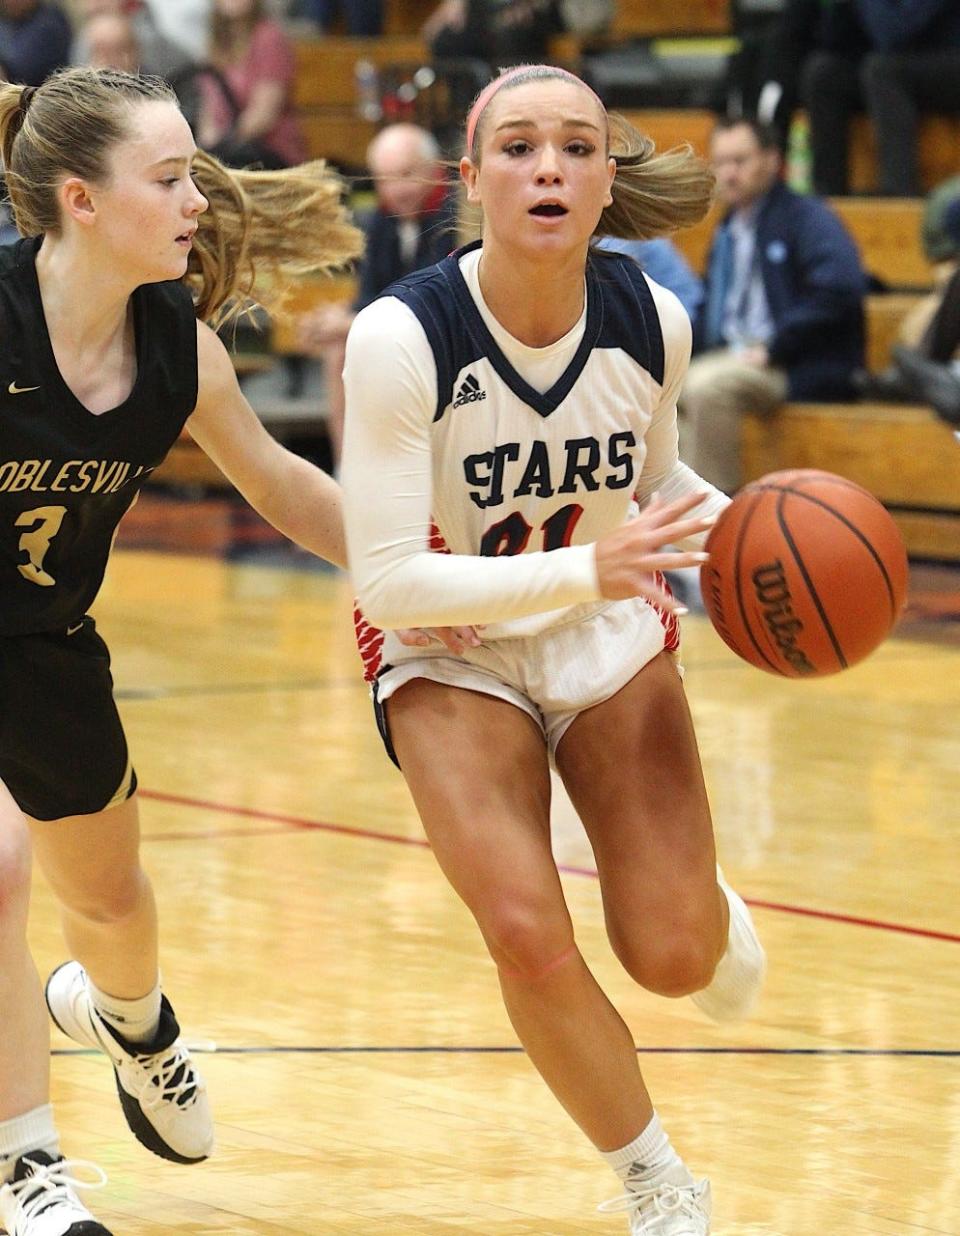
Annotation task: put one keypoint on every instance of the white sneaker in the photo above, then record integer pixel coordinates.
(40, 1200)
(164, 1098)
(736, 984)
(661, 1209)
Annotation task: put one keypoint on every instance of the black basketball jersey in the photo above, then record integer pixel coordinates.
(68, 476)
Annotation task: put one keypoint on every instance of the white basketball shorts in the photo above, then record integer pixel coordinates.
(552, 676)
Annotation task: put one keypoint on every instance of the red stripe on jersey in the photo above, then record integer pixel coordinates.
(671, 623)
(370, 638)
(436, 542)
(369, 645)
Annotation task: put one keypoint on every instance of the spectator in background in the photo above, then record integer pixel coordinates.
(926, 356)
(155, 53)
(500, 32)
(768, 73)
(783, 315)
(412, 226)
(111, 43)
(252, 122)
(34, 40)
(665, 264)
(186, 22)
(361, 17)
(912, 65)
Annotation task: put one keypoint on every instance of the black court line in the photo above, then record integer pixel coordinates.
(434, 1049)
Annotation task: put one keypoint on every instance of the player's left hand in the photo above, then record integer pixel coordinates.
(454, 639)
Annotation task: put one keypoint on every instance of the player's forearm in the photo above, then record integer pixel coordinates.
(305, 504)
(431, 590)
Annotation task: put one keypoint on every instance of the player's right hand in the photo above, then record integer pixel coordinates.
(454, 639)
(629, 557)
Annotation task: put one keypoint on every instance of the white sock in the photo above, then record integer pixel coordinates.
(34, 1130)
(135, 1020)
(649, 1156)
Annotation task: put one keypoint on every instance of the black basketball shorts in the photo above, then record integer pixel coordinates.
(62, 746)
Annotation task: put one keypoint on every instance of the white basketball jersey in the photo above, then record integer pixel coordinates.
(515, 470)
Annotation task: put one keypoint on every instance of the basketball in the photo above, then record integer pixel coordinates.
(807, 574)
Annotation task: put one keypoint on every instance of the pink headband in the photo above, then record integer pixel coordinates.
(535, 72)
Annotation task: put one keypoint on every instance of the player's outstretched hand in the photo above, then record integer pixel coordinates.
(628, 558)
(454, 639)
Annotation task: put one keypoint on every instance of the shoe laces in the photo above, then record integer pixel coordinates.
(49, 1184)
(171, 1077)
(653, 1203)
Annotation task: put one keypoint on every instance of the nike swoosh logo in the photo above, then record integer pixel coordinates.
(74, 630)
(13, 389)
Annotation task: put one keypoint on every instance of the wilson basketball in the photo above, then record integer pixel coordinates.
(807, 574)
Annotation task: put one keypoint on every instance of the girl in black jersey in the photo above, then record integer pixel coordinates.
(134, 239)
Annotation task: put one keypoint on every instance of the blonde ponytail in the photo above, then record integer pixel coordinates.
(653, 193)
(261, 231)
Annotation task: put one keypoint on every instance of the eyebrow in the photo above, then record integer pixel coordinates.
(179, 160)
(524, 123)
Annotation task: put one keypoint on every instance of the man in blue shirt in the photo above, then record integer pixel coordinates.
(783, 315)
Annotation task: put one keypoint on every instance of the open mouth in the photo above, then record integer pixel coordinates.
(549, 210)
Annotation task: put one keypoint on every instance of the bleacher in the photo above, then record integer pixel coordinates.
(905, 455)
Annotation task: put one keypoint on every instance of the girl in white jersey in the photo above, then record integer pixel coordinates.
(511, 408)
(132, 240)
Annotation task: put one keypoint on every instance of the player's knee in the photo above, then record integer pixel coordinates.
(677, 965)
(14, 869)
(110, 900)
(525, 944)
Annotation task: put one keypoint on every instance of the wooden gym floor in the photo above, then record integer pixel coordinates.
(364, 1076)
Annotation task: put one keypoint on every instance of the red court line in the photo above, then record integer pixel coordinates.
(291, 821)
(369, 834)
(878, 924)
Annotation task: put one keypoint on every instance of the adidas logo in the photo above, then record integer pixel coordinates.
(469, 392)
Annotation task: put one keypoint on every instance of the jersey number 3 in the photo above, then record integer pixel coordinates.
(42, 526)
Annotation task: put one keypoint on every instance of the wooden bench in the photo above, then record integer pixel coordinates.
(939, 155)
(887, 232)
(906, 456)
(325, 91)
(885, 314)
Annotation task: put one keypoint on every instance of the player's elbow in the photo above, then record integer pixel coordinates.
(386, 606)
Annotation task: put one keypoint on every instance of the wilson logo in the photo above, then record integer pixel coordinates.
(773, 596)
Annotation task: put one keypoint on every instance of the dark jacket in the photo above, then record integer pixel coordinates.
(381, 264)
(921, 25)
(33, 46)
(814, 284)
